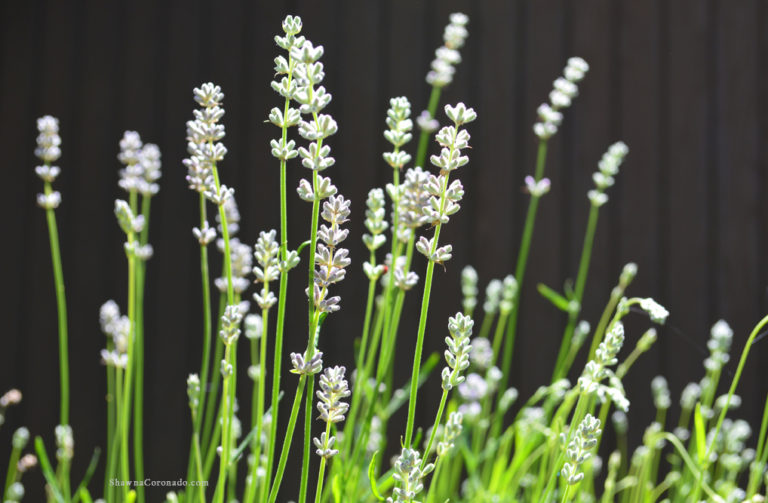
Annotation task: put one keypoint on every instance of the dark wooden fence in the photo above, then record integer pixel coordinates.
(682, 82)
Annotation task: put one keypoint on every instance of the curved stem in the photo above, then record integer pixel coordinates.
(287, 440)
(581, 280)
(61, 308)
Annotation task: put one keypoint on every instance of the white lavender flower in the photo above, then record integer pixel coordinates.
(444, 198)
(14, 493)
(65, 443)
(493, 296)
(20, 438)
(241, 264)
(408, 476)
(49, 201)
(660, 392)
(508, 294)
(656, 311)
(537, 188)
(230, 324)
(426, 122)
(333, 388)
(375, 220)
(205, 234)
(128, 222)
(193, 392)
(307, 366)
(457, 354)
(469, 289)
(608, 167)
(448, 56)
(132, 176)
(399, 132)
(597, 370)
(411, 198)
(203, 143)
(451, 432)
(331, 260)
(266, 252)
(577, 452)
(48, 141)
(563, 92)
(719, 344)
(481, 354)
(474, 388)
(690, 395)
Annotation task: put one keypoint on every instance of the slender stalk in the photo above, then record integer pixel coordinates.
(423, 319)
(434, 100)
(210, 443)
(124, 425)
(138, 411)
(321, 471)
(257, 416)
(522, 262)
(226, 400)
(199, 467)
(277, 363)
(61, 308)
(581, 280)
(287, 440)
(438, 418)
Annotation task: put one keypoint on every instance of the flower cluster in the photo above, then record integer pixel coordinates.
(444, 198)
(265, 252)
(193, 392)
(333, 388)
(203, 144)
(608, 167)
(598, 369)
(719, 344)
(508, 295)
(240, 254)
(469, 289)
(578, 448)
(117, 328)
(402, 279)
(411, 197)
(331, 260)
(451, 432)
(48, 150)
(448, 56)
(376, 225)
(65, 443)
(563, 92)
(283, 148)
(457, 354)
(408, 476)
(307, 366)
(142, 165)
(399, 132)
(493, 296)
(660, 392)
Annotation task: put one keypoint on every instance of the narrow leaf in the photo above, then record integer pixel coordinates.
(555, 298)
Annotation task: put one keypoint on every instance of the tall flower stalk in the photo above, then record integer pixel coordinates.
(48, 150)
(444, 201)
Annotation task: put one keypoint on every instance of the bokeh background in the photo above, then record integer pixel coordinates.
(683, 83)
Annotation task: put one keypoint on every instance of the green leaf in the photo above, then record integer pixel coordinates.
(48, 473)
(131, 497)
(372, 477)
(555, 298)
(82, 487)
(701, 438)
(336, 488)
(84, 495)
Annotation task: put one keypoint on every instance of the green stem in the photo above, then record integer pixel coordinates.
(321, 471)
(209, 444)
(438, 418)
(226, 400)
(732, 390)
(257, 418)
(423, 321)
(421, 153)
(138, 411)
(287, 440)
(61, 307)
(581, 280)
(125, 424)
(277, 363)
(199, 466)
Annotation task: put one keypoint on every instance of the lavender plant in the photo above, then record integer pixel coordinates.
(481, 445)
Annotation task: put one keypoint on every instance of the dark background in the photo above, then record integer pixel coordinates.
(683, 83)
